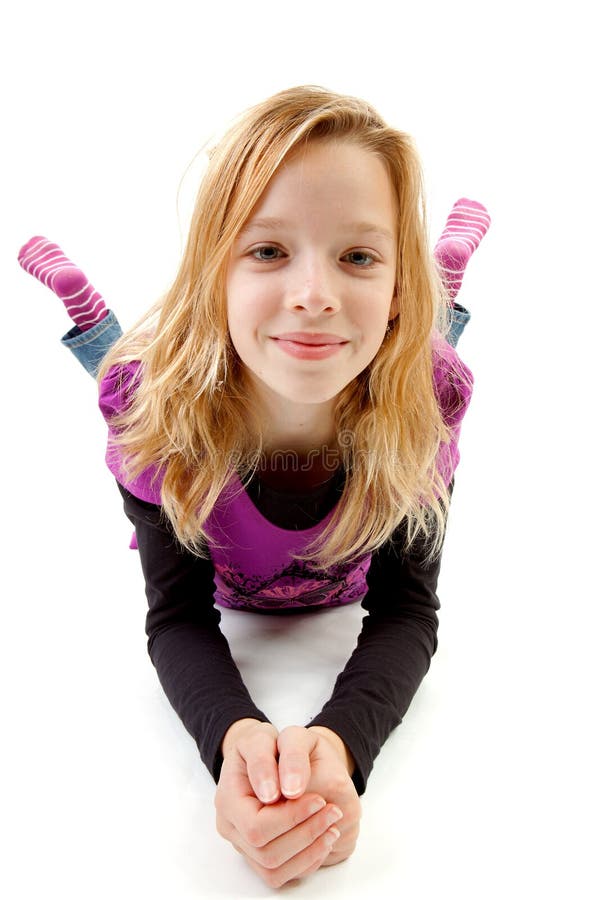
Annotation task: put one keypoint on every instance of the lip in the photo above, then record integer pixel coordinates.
(302, 345)
(311, 338)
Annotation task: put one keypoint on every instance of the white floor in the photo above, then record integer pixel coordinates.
(489, 789)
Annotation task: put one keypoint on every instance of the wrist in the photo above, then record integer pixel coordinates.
(338, 744)
(233, 733)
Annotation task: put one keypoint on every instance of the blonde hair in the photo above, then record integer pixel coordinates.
(189, 415)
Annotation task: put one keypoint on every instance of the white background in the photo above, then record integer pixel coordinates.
(489, 788)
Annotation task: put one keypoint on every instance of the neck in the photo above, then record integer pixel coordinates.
(286, 426)
(300, 448)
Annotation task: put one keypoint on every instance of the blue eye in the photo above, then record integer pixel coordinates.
(359, 258)
(267, 253)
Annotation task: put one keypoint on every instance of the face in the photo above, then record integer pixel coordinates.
(311, 277)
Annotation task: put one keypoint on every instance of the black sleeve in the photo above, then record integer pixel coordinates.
(392, 655)
(190, 654)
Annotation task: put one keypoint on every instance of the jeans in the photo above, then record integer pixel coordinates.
(91, 346)
(459, 317)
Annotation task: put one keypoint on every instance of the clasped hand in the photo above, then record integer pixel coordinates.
(286, 800)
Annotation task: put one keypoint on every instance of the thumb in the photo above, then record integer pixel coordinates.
(295, 745)
(258, 750)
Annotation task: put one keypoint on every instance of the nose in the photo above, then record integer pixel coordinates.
(313, 287)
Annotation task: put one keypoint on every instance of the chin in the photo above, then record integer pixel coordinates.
(307, 397)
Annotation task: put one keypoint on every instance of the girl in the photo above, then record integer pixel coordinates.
(283, 429)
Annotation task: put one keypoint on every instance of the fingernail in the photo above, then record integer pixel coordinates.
(267, 791)
(292, 784)
(334, 815)
(316, 806)
(331, 836)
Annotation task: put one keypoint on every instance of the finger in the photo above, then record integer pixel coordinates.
(345, 847)
(300, 865)
(258, 829)
(279, 851)
(234, 797)
(336, 857)
(295, 745)
(259, 753)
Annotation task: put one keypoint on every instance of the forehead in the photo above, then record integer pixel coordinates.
(329, 179)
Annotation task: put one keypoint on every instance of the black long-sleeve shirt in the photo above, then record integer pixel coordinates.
(195, 665)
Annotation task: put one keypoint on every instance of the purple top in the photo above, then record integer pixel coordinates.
(254, 568)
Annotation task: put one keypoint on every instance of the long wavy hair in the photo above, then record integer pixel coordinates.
(189, 415)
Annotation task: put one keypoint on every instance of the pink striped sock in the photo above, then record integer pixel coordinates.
(46, 262)
(466, 226)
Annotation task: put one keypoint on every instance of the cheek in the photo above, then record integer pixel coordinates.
(373, 310)
(251, 308)
(235, 319)
(238, 301)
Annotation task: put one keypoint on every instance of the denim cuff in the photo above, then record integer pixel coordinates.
(91, 346)
(459, 317)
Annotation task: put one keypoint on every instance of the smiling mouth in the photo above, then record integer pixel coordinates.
(310, 349)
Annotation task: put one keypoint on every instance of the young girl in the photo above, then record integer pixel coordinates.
(283, 429)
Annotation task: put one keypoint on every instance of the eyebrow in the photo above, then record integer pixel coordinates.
(371, 228)
(265, 224)
(269, 222)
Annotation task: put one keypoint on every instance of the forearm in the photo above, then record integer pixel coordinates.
(375, 689)
(191, 655)
(392, 656)
(204, 686)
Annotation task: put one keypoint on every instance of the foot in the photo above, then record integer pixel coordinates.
(463, 232)
(46, 262)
